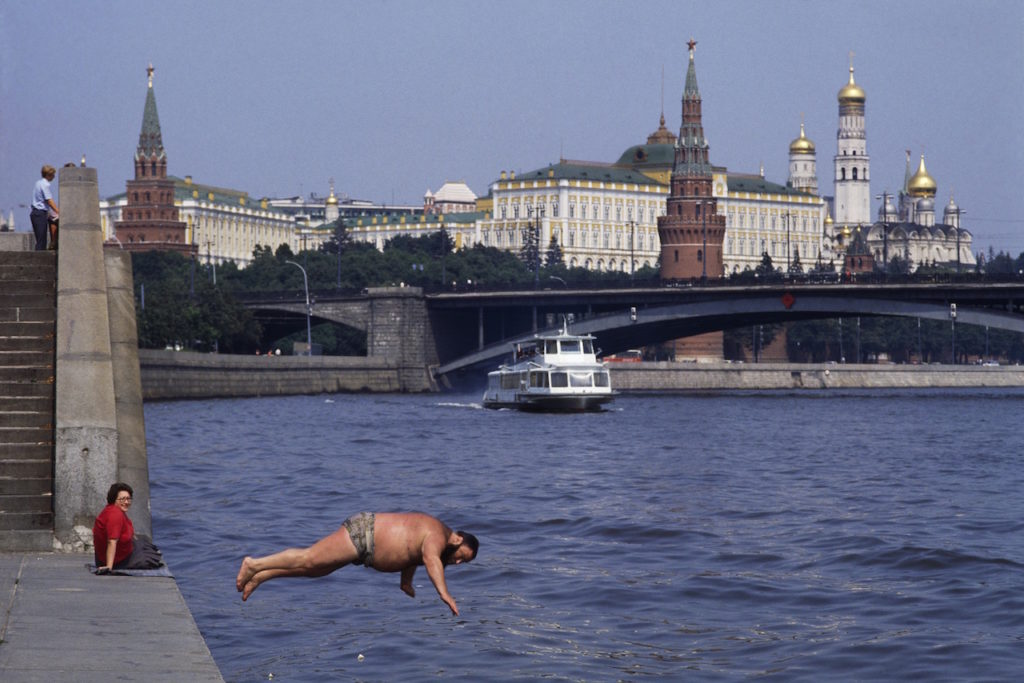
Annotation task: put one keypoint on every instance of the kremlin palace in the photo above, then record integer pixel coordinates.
(661, 204)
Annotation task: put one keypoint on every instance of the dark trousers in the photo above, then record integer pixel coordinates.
(40, 226)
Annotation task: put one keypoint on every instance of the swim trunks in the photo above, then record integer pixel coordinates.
(360, 530)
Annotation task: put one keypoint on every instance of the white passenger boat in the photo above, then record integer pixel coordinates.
(554, 373)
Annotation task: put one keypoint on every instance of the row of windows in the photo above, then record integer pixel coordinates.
(800, 224)
(863, 175)
(593, 211)
(775, 248)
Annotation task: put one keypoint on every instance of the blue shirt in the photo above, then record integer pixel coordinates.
(40, 194)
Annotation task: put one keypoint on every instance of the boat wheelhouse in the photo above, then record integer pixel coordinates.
(556, 372)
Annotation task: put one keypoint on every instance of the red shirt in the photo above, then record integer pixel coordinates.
(112, 523)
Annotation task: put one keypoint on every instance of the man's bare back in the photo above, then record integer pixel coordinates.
(398, 542)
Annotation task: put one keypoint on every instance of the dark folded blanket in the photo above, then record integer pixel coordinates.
(159, 571)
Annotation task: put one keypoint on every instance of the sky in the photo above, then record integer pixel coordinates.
(393, 98)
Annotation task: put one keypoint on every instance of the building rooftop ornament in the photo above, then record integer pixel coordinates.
(151, 144)
(802, 145)
(852, 93)
(922, 184)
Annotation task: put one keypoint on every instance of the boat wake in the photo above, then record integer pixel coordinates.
(451, 404)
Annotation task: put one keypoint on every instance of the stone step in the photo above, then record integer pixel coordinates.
(25, 435)
(26, 521)
(27, 272)
(26, 375)
(22, 313)
(34, 541)
(27, 418)
(31, 469)
(39, 344)
(27, 504)
(26, 359)
(35, 329)
(35, 259)
(26, 451)
(26, 486)
(38, 287)
(30, 299)
(34, 404)
(18, 390)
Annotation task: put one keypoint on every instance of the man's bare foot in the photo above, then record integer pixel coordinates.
(245, 573)
(250, 586)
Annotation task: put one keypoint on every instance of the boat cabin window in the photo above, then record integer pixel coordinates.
(601, 379)
(559, 380)
(571, 346)
(551, 346)
(588, 346)
(579, 379)
(510, 380)
(539, 379)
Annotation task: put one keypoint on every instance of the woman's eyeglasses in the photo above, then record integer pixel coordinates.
(124, 500)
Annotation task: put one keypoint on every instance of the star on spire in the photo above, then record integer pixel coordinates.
(691, 44)
(149, 73)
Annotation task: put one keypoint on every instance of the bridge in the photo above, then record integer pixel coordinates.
(460, 331)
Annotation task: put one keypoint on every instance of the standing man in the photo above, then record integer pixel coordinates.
(386, 541)
(43, 207)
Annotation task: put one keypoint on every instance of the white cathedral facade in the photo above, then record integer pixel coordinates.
(909, 231)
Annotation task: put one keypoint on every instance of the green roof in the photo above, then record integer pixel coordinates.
(646, 156)
(565, 170)
(758, 185)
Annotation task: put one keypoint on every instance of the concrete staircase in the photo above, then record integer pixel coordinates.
(27, 398)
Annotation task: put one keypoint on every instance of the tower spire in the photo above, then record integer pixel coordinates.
(151, 144)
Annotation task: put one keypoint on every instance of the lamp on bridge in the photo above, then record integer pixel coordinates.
(309, 309)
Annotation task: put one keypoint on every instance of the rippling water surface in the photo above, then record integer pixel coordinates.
(857, 535)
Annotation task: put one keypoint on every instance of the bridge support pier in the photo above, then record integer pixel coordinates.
(399, 328)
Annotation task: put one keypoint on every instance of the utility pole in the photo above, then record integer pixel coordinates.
(885, 231)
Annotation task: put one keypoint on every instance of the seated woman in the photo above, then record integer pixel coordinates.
(113, 536)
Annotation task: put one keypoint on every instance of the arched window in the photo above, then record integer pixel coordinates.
(842, 174)
(855, 173)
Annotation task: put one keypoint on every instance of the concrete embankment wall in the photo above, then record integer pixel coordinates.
(665, 376)
(168, 375)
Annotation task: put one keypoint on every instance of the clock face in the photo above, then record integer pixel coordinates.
(718, 189)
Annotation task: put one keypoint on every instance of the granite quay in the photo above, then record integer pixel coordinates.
(71, 423)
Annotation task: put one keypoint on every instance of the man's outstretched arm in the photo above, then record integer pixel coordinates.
(407, 581)
(435, 570)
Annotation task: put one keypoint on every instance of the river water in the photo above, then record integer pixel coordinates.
(867, 535)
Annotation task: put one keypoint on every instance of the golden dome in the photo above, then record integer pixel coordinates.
(921, 184)
(802, 145)
(851, 92)
(828, 219)
(331, 199)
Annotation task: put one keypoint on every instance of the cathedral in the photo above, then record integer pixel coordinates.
(906, 235)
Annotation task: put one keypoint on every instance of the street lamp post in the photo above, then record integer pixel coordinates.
(632, 238)
(958, 214)
(788, 248)
(309, 309)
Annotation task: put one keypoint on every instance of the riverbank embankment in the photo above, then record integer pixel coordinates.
(170, 375)
(665, 376)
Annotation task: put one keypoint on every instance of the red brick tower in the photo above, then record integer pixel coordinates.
(149, 221)
(692, 231)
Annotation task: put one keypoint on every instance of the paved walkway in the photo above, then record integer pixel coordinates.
(59, 622)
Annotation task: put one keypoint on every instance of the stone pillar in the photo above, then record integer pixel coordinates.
(399, 329)
(132, 462)
(86, 427)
